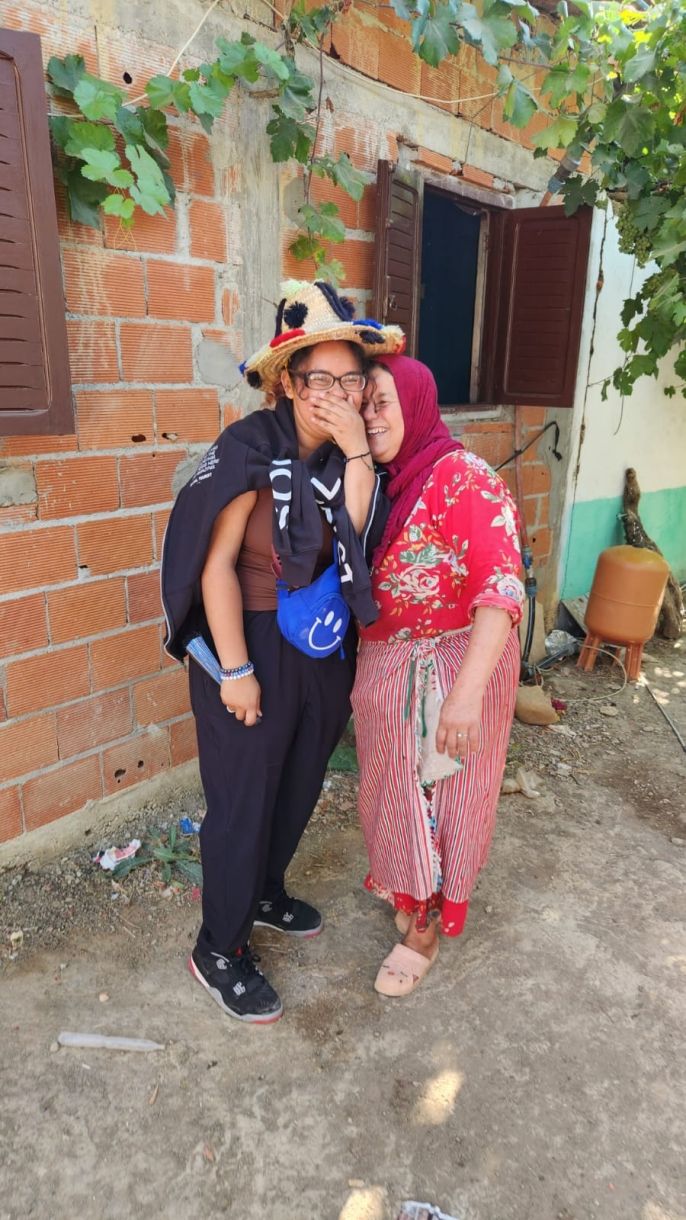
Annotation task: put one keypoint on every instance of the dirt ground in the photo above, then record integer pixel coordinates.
(538, 1075)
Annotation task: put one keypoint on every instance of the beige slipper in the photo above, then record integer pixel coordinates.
(402, 971)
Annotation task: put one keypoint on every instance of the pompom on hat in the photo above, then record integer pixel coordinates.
(312, 313)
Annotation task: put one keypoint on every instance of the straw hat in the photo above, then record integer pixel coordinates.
(314, 313)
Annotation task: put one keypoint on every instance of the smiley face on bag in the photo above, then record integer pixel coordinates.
(327, 633)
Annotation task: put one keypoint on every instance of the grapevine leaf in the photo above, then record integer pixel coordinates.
(66, 73)
(100, 163)
(559, 134)
(83, 197)
(439, 36)
(149, 191)
(347, 177)
(402, 10)
(205, 100)
(331, 270)
(118, 205)
(272, 61)
(578, 191)
(491, 31)
(160, 91)
(84, 136)
(130, 124)
(639, 65)
(60, 127)
(283, 133)
(635, 129)
(520, 105)
(155, 124)
(323, 220)
(97, 99)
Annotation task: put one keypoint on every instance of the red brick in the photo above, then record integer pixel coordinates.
(44, 681)
(183, 740)
(441, 86)
(135, 760)
(398, 64)
(92, 351)
(86, 609)
(186, 415)
(12, 515)
(162, 698)
(154, 234)
(230, 305)
(531, 417)
(10, 813)
(27, 745)
(434, 160)
(359, 143)
(230, 414)
(62, 791)
(536, 479)
(178, 291)
(355, 47)
(119, 658)
(191, 162)
(366, 210)
(144, 596)
(31, 446)
(115, 544)
(22, 624)
(75, 486)
(159, 525)
(90, 723)
(146, 478)
(151, 352)
(478, 176)
(110, 419)
(101, 283)
(540, 542)
(32, 558)
(535, 509)
(208, 230)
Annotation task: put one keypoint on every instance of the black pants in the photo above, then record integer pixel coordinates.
(262, 783)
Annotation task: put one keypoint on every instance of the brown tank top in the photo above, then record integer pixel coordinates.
(254, 564)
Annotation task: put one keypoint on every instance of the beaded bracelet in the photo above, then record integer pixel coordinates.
(241, 671)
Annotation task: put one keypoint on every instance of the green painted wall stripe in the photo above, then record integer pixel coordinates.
(595, 526)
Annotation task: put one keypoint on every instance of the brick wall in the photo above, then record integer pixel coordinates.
(89, 703)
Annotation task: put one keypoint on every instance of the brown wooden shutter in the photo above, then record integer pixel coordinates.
(537, 288)
(35, 390)
(399, 197)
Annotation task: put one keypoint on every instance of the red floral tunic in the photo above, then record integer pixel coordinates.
(459, 549)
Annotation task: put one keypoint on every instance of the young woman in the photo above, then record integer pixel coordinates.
(272, 495)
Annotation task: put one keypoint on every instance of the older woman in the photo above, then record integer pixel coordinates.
(437, 671)
(272, 495)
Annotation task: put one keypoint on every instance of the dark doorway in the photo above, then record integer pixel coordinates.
(450, 255)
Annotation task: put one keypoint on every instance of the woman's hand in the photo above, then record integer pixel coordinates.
(242, 697)
(341, 418)
(459, 725)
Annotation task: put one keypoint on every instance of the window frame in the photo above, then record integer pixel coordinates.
(53, 414)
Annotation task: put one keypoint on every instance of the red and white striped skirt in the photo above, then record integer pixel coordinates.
(427, 845)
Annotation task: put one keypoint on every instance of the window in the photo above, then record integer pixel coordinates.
(491, 299)
(35, 390)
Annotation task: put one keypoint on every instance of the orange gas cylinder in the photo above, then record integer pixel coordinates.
(624, 603)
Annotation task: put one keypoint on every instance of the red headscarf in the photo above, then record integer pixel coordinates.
(426, 440)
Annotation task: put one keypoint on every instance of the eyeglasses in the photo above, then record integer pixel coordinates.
(317, 379)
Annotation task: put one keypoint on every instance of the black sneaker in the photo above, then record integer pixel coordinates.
(238, 987)
(289, 915)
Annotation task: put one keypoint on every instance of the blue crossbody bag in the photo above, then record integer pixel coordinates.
(314, 619)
